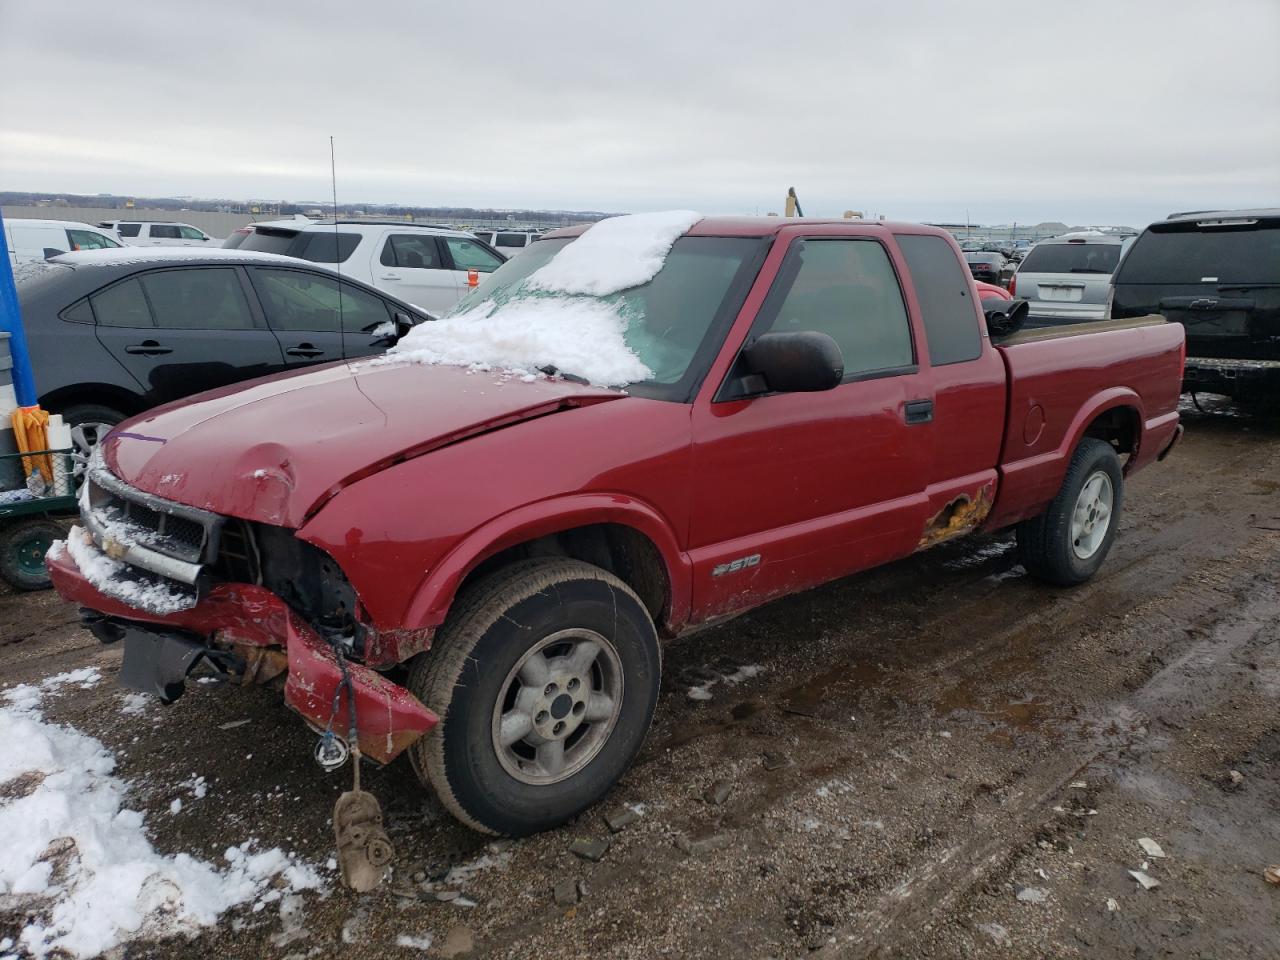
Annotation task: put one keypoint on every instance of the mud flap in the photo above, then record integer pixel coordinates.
(364, 849)
(158, 663)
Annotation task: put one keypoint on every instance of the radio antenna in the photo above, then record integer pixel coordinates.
(337, 256)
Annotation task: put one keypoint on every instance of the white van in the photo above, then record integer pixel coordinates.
(41, 239)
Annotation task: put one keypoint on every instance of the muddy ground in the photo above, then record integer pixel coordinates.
(921, 744)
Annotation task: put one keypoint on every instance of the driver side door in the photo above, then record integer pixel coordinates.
(790, 490)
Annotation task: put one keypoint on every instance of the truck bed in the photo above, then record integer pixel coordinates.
(1061, 380)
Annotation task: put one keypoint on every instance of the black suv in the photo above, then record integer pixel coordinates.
(115, 332)
(1218, 274)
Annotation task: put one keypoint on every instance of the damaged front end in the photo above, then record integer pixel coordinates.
(185, 589)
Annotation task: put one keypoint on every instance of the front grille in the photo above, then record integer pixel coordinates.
(133, 517)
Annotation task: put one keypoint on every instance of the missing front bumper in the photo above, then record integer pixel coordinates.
(233, 627)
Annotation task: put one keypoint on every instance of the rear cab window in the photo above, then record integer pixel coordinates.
(943, 292)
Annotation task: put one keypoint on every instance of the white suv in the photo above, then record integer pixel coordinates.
(155, 233)
(428, 267)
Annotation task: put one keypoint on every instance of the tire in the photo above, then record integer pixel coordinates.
(1051, 546)
(88, 423)
(552, 605)
(80, 413)
(23, 545)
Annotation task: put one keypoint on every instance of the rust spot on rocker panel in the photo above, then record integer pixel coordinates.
(962, 515)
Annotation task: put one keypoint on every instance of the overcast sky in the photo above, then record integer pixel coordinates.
(1081, 111)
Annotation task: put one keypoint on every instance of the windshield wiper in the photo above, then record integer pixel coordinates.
(551, 370)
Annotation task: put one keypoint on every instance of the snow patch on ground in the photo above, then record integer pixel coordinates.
(119, 580)
(79, 862)
(135, 704)
(614, 254)
(703, 691)
(414, 943)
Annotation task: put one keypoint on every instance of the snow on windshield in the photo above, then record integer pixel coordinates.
(556, 317)
(615, 254)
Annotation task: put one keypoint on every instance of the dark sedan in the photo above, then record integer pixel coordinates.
(989, 267)
(114, 332)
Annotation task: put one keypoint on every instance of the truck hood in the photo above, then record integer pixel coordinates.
(277, 449)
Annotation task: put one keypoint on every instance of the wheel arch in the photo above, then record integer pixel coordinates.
(1115, 416)
(615, 532)
(106, 394)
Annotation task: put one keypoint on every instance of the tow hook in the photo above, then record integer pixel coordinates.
(331, 753)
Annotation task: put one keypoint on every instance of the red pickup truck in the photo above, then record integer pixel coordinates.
(492, 559)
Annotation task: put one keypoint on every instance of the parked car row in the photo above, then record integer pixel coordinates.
(158, 233)
(427, 266)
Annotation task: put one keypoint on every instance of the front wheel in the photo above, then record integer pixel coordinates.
(1067, 543)
(545, 678)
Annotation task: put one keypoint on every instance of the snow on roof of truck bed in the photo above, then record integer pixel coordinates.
(558, 317)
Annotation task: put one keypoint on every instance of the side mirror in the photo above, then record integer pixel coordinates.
(805, 362)
(404, 322)
(1005, 317)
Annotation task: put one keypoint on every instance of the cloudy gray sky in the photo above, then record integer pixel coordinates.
(1082, 111)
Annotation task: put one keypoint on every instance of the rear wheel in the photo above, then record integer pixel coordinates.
(545, 678)
(23, 545)
(1067, 543)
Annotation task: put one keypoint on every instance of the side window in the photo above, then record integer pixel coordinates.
(122, 305)
(469, 255)
(128, 229)
(89, 240)
(190, 233)
(414, 251)
(848, 290)
(165, 231)
(298, 301)
(950, 317)
(517, 241)
(198, 299)
(79, 312)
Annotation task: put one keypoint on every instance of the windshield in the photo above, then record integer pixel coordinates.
(1072, 258)
(665, 322)
(1245, 254)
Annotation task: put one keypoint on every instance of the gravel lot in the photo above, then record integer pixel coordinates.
(941, 758)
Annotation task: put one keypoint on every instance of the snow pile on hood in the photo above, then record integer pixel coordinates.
(556, 317)
(81, 863)
(119, 580)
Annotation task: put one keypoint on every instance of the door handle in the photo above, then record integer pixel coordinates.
(148, 348)
(918, 411)
(304, 350)
(390, 276)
